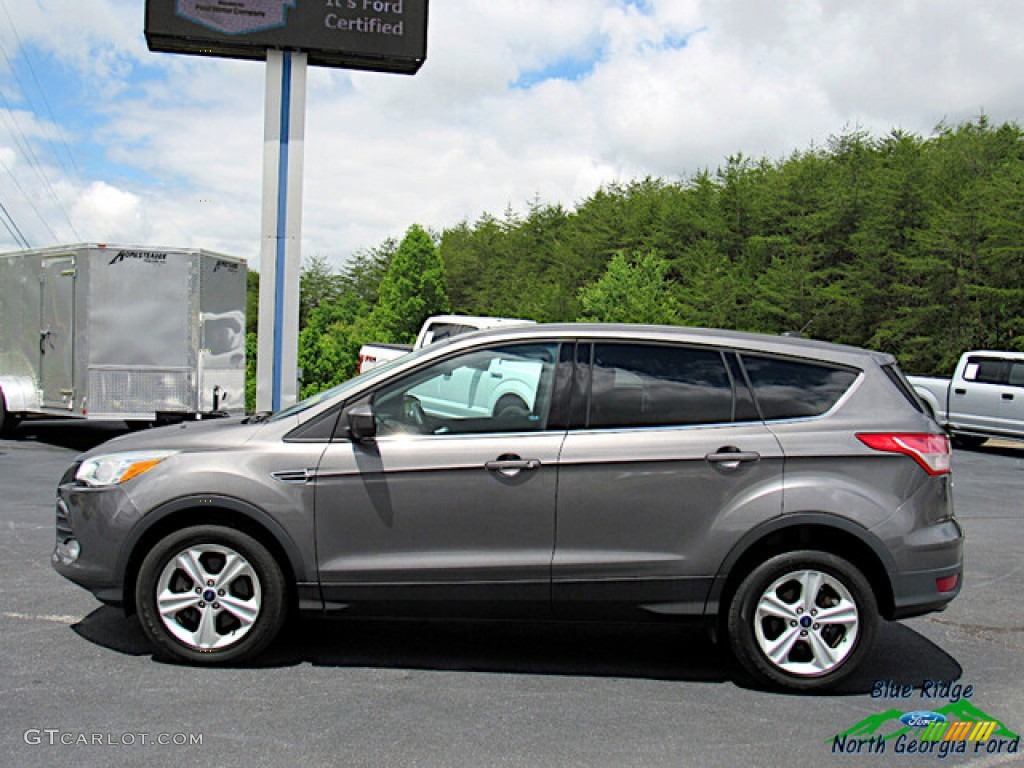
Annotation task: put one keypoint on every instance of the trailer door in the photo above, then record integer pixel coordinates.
(56, 332)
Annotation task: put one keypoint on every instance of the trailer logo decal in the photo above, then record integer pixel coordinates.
(150, 257)
(230, 266)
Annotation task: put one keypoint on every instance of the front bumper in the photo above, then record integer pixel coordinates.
(91, 525)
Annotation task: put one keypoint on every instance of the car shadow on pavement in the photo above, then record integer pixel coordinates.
(109, 628)
(645, 651)
(651, 651)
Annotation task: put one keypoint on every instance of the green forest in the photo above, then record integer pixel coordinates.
(907, 244)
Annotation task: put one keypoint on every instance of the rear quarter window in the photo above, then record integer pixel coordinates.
(791, 389)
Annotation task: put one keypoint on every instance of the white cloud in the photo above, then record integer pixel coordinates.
(113, 214)
(606, 91)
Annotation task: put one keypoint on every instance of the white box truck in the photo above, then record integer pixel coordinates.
(121, 332)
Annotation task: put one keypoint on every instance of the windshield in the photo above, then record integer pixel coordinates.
(335, 391)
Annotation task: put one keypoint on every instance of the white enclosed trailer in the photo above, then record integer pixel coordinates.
(114, 332)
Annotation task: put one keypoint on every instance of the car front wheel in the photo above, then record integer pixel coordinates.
(802, 620)
(210, 595)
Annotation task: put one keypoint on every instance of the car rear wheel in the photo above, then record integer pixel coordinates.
(210, 595)
(802, 620)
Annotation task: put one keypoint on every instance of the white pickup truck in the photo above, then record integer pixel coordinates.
(984, 399)
(434, 329)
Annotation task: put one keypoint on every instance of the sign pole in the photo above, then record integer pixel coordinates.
(370, 35)
(281, 229)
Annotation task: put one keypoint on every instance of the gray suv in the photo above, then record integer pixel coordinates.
(786, 492)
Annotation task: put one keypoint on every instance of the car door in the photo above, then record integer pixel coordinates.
(975, 401)
(665, 465)
(439, 505)
(1011, 399)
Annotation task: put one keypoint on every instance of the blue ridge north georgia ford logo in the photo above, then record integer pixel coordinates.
(958, 727)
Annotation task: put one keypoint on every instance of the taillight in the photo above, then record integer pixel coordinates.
(932, 452)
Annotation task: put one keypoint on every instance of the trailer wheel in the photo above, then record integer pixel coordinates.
(8, 421)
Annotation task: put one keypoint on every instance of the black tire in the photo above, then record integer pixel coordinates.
(232, 617)
(777, 605)
(510, 406)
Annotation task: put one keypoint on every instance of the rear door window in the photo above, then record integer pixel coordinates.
(648, 385)
(791, 389)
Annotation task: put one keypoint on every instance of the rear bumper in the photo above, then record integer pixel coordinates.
(918, 592)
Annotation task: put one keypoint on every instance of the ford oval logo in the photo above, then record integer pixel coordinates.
(922, 718)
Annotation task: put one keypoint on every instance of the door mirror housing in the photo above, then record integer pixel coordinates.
(361, 422)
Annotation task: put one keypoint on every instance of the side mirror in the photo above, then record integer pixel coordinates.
(361, 422)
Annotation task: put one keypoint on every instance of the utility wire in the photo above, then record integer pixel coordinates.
(46, 102)
(30, 202)
(13, 228)
(26, 149)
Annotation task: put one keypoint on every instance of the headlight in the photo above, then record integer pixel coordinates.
(115, 468)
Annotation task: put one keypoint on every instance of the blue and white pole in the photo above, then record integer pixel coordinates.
(281, 231)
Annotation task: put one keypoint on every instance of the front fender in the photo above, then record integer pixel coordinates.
(231, 505)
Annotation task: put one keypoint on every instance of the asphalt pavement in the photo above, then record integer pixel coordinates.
(79, 684)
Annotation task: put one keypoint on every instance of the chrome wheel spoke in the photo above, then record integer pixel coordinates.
(825, 657)
(246, 611)
(206, 635)
(234, 566)
(188, 561)
(772, 605)
(778, 649)
(172, 603)
(811, 582)
(844, 614)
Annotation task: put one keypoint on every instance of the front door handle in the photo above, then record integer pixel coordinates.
(510, 466)
(731, 458)
(1007, 396)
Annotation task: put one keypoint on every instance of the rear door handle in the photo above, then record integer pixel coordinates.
(1007, 396)
(959, 391)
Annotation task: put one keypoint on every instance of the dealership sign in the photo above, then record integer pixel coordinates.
(377, 35)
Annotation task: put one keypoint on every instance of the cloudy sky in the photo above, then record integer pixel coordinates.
(104, 141)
